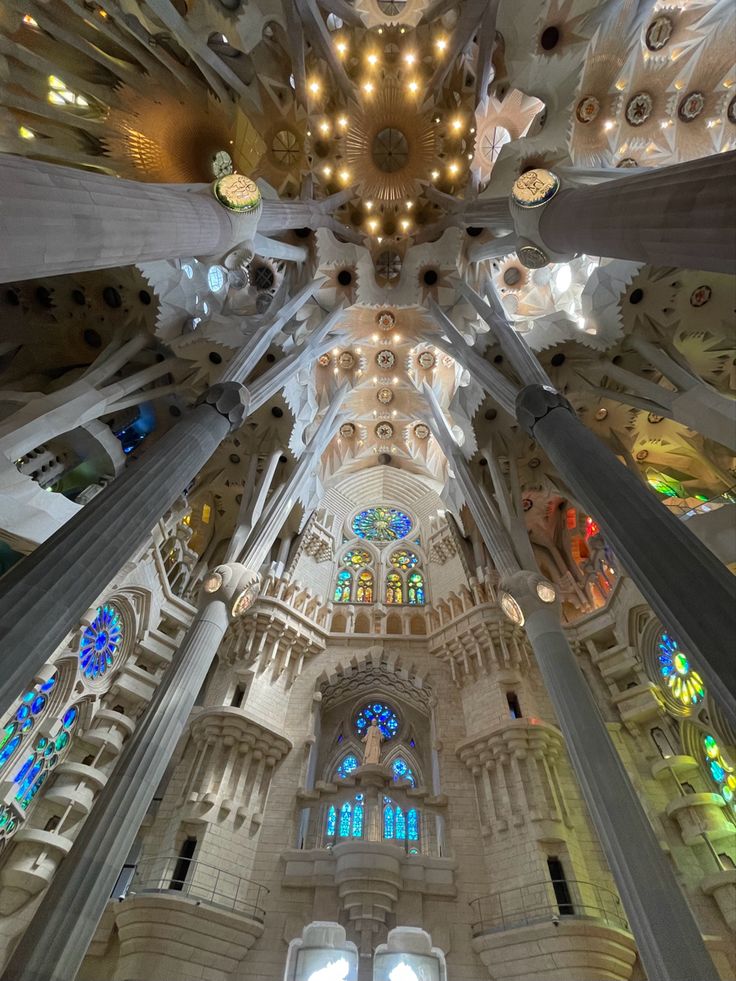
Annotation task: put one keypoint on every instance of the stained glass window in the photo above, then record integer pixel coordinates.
(404, 559)
(358, 817)
(412, 825)
(32, 707)
(351, 819)
(398, 824)
(386, 717)
(36, 768)
(685, 684)
(347, 766)
(394, 588)
(343, 587)
(357, 558)
(331, 821)
(345, 814)
(720, 770)
(402, 771)
(388, 821)
(381, 524)
(415, 589)
(364, 590)
(100, 642)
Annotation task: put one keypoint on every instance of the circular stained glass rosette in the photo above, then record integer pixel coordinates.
(639, 108)
(421, 431)
(385, 359)
(100, 642)
(587, 109)
(347, 430)
(385, 716)
(384, 396)
(426, 360)
(356, 558)
(700, 296)
(691, 106)
(379, 524)
(386, 320)
(404, 560)
(384, 430)
(535, 188)
(659, 32)
(685, 685)
(236, 192)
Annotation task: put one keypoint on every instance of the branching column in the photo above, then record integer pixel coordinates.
(45, 595)
(57, 220)
(670, 216)
(682, 580)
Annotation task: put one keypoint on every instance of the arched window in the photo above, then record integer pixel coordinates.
(394, 588)
(415, 589)
(385, 716)
(32, 708)
(404, 559)
(356, 558)
(364, 591)
(100, 642)
(398, 824)
(348, 822)
(348, 764)
(343, 587)
(720, 770)
(402, 771)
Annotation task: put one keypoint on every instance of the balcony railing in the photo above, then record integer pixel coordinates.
(550, 901)
(200, 882)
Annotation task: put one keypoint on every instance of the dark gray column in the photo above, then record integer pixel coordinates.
(671, 216)
(692, 593)
(666, 932)
(45, 594)
(57, 220)
(55, 943)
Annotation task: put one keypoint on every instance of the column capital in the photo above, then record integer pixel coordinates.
(530, 195)
(233, 583)
(230, 399)
(534, 402)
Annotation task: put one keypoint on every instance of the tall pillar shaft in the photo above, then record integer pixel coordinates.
(55, 943)
(692, 593)
(669, 941)
(45, 594)
(672, 216)
(57, 220)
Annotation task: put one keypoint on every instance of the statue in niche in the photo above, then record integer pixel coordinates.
(372, 739)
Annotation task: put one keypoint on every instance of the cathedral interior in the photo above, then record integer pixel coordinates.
(368, 451)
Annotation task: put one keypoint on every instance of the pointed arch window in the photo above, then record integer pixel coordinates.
(364, 591)
(331, 821)
(344, 586)
(398, 824)
(348, 822)
(394, 589)
(415, 589)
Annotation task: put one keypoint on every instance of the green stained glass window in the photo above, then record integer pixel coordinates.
(404, 559)
(356, 558)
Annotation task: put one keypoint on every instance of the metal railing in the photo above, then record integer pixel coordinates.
(549, 900)
(201, 882)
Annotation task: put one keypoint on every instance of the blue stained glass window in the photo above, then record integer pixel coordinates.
(343, 587)
(412, 825)
(345, 815)
(402, 771)
(33, 705)
(358, 821)
(331, 821)
(385, 716)
(379, 524)
(45, 756)
(685, 684)
(347, 766)
(100, 642)
(9, 748)
(400, 824)
(388, 821)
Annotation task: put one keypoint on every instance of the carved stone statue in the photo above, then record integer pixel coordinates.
(372, 739)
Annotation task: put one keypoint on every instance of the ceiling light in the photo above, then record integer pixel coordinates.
(327, 170)
(368, 205)
(29, 21)
(405, 224)
(457, 124)
(373, 225)
(26, 133)
(314, 87)
(434, 175)
(344, 176)
(341, 47)
(342, 122)
(413, 86)
(453, 169)
(368, 87)
(324, 127)
(410, 57)
(372, 58)
(409, 205)
(441, 43)
(608, 125)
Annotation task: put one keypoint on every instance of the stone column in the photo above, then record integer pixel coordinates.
(669, 216)
(692, 593)
(57, 220)
(667, 935)
(56, 941)
(44, 595)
